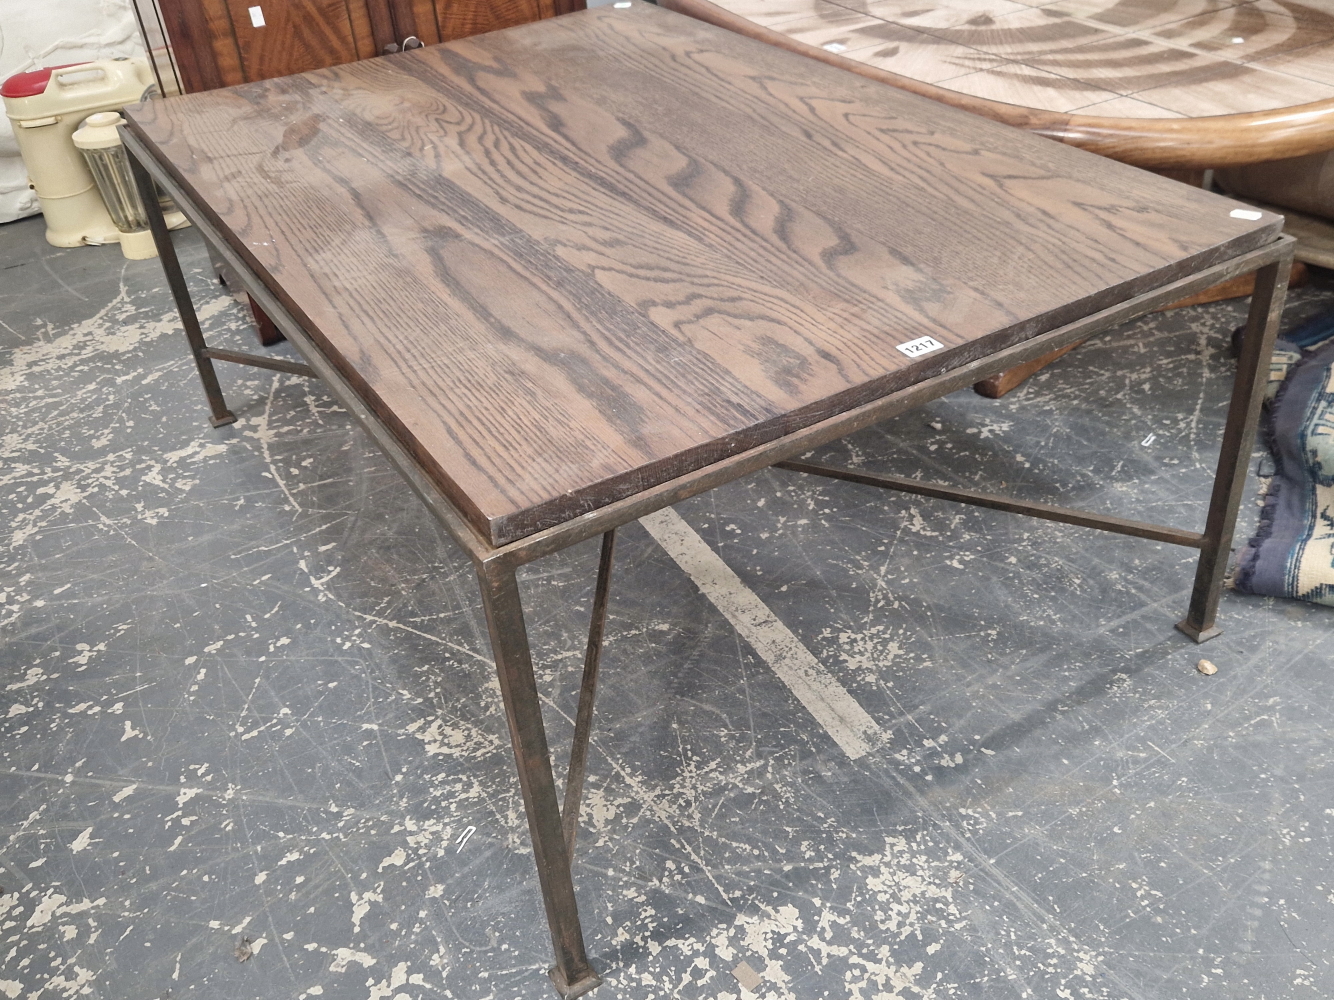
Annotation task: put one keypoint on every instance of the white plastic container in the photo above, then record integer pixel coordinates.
(45, 107)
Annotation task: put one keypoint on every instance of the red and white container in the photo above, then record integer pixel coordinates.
(45, 106)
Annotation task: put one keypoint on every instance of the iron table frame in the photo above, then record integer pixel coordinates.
(552, 826)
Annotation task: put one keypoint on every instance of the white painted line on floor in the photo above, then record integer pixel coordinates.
(824, 697)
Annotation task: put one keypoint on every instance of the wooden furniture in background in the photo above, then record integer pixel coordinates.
(217, 43)
(1304, 187)
(1313, 233)
(572, 273)
(1234, 288)
(1255, 128)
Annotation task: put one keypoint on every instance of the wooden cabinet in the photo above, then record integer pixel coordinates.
(293, 36)
(458, 20)
(218, 43)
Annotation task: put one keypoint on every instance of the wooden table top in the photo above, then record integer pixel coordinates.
(569, 261)
(1107, 58)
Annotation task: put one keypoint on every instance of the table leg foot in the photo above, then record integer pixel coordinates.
(569, 991)
(226, 418)
(1198, 634)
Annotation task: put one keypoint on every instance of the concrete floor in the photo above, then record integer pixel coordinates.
(248, 706)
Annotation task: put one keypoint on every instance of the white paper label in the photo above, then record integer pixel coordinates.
(1241, 213)
(922, 345)
(257, 16)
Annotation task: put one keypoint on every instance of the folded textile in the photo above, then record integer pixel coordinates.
(1292, 553)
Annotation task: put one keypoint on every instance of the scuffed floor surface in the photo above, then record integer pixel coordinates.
(248, 707)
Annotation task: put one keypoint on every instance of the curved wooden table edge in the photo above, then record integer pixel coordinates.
(1175, 144)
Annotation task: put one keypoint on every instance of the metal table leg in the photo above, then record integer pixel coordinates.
(583, 719)
(1271, 285)
(166, 251)
(572, 973)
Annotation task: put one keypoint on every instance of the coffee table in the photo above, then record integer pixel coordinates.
(571, 273)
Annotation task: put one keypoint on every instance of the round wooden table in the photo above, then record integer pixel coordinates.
(1171, 85)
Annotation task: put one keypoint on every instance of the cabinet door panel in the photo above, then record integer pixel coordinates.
(460, 18)
(226, 53)
(217, 44)
(202, 43)
(383, 23)
(299, 35)
(415, 18)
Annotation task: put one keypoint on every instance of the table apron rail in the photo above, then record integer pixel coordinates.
(780, 450)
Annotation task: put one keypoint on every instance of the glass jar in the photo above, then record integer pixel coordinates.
(109, 163)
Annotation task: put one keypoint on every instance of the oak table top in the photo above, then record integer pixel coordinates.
(573, 260)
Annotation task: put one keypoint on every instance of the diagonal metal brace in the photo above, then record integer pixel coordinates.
(1046, 511)
(583, 719)
(259, 361)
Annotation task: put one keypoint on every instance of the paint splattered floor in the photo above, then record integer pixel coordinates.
(251, 743)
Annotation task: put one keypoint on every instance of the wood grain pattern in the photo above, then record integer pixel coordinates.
(1155, 143)
(190, 25)
(222, 43)
(300, 35)
(571, 260)
(459, 19)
